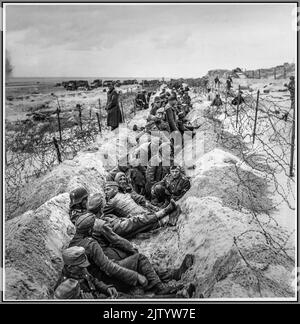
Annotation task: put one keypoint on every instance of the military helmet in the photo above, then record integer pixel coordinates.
(77, 195)
(159, 191)
(85, 222)
(75, 256)
(95, 202)
(68, 289)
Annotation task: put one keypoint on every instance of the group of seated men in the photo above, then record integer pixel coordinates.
(100, 261)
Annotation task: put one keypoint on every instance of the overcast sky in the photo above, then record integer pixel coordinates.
(147, 40)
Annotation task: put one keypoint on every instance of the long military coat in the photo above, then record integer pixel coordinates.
(114, 116)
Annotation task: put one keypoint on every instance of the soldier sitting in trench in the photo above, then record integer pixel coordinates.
(75, 268)
(143, 215)
(115, 260)
(78, 203)
(176, 183)
(156, 169)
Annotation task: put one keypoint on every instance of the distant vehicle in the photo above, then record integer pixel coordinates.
(106, 83)
(96, 84)
(70, 85)
(75, 84)
(83, 84)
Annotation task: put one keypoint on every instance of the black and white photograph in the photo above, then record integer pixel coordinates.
(149, 152)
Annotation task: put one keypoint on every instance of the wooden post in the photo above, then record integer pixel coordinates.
(124, 120)
(226, 95)
(255, 119)
(292, 141)
(59, 125)
(99, 102)
(99, 122)
(253, 74)
(57, 150)
(79, 114)
(275, 73)
(259, 73)
(238, 106)
(284, 72)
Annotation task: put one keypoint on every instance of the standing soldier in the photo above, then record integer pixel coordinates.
(291, 88)
(228, 83)
(217, 82)
(114, 116)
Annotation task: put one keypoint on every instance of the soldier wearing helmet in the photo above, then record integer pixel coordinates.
(126, 205)
(75, 268)
(100, 265)
(124, 253)
(123, 266)
(123, 223)
(176, 183)
(78, 201)
(68, 289)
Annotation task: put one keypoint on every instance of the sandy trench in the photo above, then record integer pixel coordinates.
(233, 258)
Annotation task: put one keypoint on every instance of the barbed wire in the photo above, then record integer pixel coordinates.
(31, 152)
(268, 155)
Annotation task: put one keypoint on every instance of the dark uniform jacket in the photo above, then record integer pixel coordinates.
(129, 227)
(114, 116)
(101, 265)
(176, 187)
(155, 173)
(141, 101)
(125, 205)
(75, 213)
(114, 246)
(171, 117)
(138, 179)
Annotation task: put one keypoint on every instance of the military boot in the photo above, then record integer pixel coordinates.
(187, 263)
(165, 289)
(166, 211)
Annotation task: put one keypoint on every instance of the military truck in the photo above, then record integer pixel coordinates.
(76, 84)
(106, 83)
(96, 84)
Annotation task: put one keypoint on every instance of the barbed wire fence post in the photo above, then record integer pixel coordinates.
(255, 119)
(226, 97)
(58, 110)
(123, 115)
(79, 115)
(99, 116)
(59, 124)
(291, 173)
(238, 106)
(57, 150)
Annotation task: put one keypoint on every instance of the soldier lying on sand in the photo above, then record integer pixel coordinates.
(114, 260)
